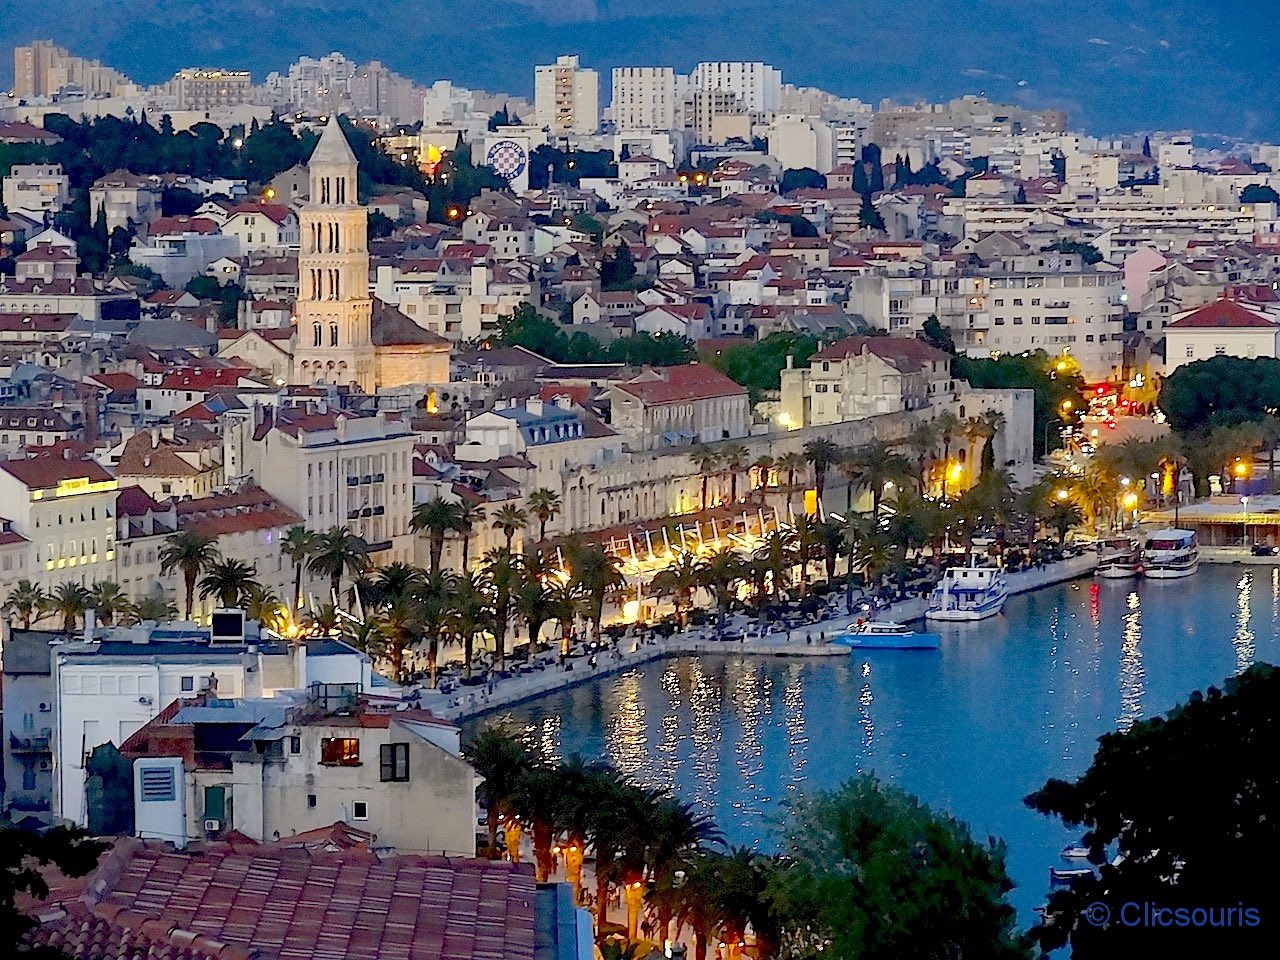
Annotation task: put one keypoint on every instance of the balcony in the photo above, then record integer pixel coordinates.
(353, 514)
(379, 477)
(367, 512)
(33, 744)
(1057, 305)
(353, 481)
(367, 478)
(379, 511)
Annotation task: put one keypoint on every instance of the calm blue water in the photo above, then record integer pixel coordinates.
(971, 729)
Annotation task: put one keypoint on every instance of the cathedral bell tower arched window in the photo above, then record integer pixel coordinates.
(333, 334)
(317, 336)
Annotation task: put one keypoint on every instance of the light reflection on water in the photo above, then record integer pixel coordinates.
(1131, 673)
(971, 729)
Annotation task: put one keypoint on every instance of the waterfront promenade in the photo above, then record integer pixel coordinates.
(631, 651)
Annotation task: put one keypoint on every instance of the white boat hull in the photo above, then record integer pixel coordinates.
(1172, 572)
(1118, 572)
(983, 611)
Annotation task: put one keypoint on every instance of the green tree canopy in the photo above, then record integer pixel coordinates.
(881, 876)
(529, 329)
(803, 178)
(1189, 803)
(758, 366)
(1032, 371)
(1221, 391)
(1259, 193)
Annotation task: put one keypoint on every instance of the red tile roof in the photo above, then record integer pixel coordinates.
(39, 322)
(1223, 313)
(237, 901)
(905, 353)
(169, 226)
(206, 379)
(692, 381)
(275, 212)
(43, 472)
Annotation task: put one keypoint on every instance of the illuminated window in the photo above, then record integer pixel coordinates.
(340, 751)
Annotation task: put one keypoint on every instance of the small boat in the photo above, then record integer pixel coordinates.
(1073, 852)
(1067, 877)
(886, 635)
(968, 593)
(1169, 554)
(1119, 558)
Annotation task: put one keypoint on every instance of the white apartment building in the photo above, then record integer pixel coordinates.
(798, 142)
(332, 468)
(566, 97)
(1222, 328)
(456, 299)
(1052, 302)
(644, 98)
(36, 190)
(757, 84)
(64, 509)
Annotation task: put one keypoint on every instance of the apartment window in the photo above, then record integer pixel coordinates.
(311, 800)
(1219, 349)
(295, 745)
(395, 762)
(340, 751)
(215, 803)
(187, 684)
(157, 785)
(1191, 351)
(28, 774)
(359, 810)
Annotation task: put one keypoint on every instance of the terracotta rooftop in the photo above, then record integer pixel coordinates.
(905, 353)
(681, 384)
(43, 472)
(281, 901)
(1223, 313)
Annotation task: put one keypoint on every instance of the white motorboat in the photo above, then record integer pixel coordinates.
(886, 635)
(1073, 852)
(1170, 553)
(1119, 558)
(968, 593)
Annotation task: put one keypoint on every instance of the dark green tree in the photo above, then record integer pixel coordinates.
(869, 216)
(1036, 372)
(758, 365)
(380, 225)
(1259, 193)
(1220, 391)
(936, 334)
(1188, 801)
(617, 269)
(873, 873)
(1146, 146)
(802, 178)
(24, 855)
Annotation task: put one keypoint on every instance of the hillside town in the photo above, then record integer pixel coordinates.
(337, 411)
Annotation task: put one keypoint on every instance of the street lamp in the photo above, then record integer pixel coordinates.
(1244, 516)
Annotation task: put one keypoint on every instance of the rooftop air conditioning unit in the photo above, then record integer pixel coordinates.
(212, 826)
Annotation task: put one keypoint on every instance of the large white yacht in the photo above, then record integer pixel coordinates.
(968, 593)
(1170, 553)
(1119, 558)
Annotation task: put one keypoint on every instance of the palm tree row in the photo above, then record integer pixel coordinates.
(439, 518)
(68, 602)
(647, 845)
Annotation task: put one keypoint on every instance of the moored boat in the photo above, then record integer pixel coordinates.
(967, 594)
(1170, 553)
(1119, 558)
(1074, 852)
(886, 635)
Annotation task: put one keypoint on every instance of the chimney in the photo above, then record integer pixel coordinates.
(155, 437)
(90, 624)
(534, 406)
(791, 361)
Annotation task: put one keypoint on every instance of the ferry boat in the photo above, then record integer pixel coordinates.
(1170, 553)
(968, 593)
(1119, 558)
(886, 635)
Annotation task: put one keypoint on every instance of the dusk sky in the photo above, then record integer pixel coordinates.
(1114, 65)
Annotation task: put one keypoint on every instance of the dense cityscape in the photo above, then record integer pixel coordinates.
(673, 493)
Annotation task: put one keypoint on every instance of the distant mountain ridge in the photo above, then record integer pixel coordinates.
(1114, 65)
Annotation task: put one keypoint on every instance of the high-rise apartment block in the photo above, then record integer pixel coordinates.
(757, 85)
(40, 70)
(644, 98)
(567, 97)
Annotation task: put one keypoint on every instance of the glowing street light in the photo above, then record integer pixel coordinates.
(1063, 494)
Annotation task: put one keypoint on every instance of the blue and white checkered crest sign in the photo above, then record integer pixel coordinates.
(508, 159)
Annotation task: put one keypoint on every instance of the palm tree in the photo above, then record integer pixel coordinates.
(806, 540)
(1095, 492)
(264, 606)
(229, 581)
(792, 463)
(598, 573)
(677, 834)
(582, 785)
(501, 760)
(400, 624)
(69, 601)
(564, 601)
(396, 581)
(158, 609)
(27, 602)
(437, 517)
(678, 580)
(336, 553)
(545, 505)
(829, 536)
(763, 466)
(735, 458)
(510, 519)
(921, 443)
(707, 462)
(536, 801)
(720, 574)
(107, 601)
(324, 620)
(948, 426)
(992, 421)
(822, 454)
(532, 604)
(468, 614)
(501, 579)
(777, 555)
(190, 552)
(469, 516)
(436, 597)
(876, 466)
(296, 545)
